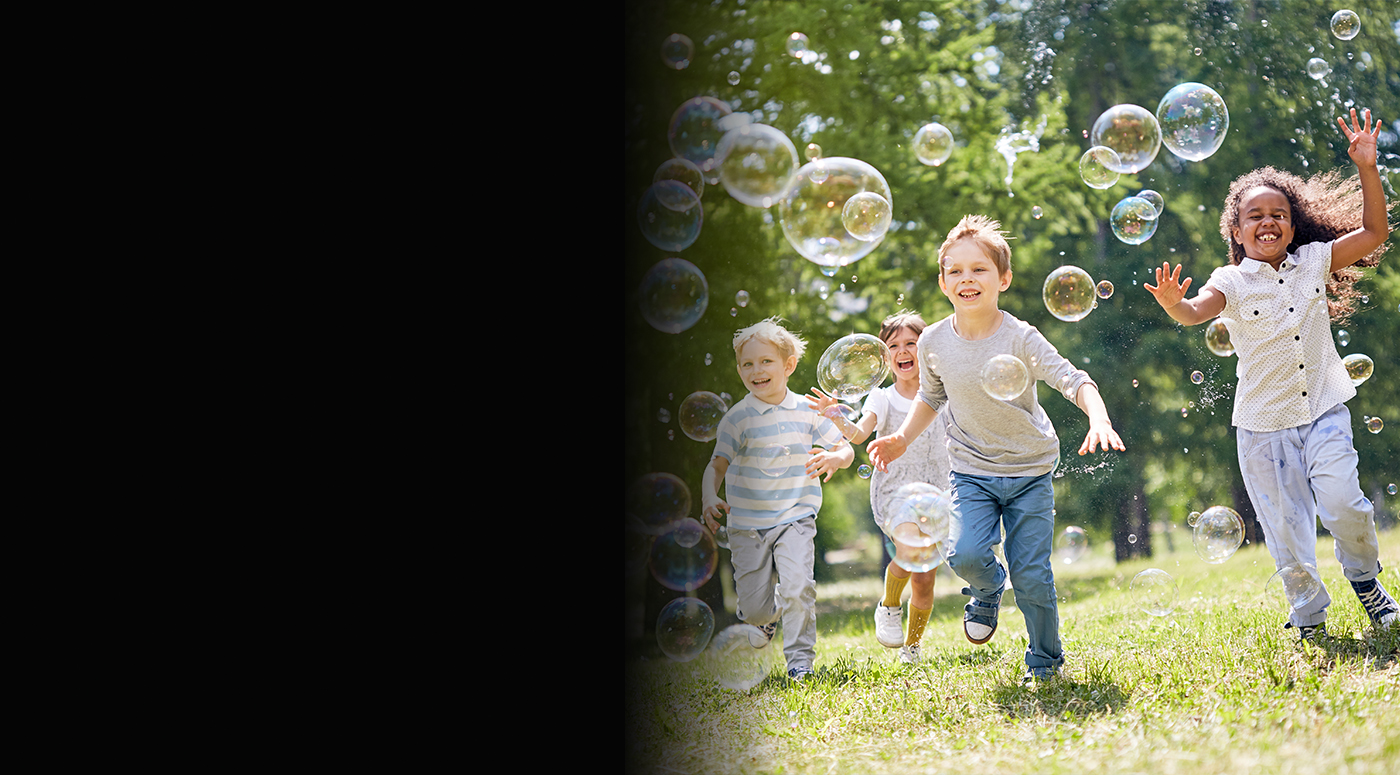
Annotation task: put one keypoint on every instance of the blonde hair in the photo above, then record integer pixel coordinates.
(768, 330)
(987, 234)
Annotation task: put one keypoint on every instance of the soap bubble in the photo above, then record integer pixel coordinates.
(1318, 69)
(811, 213)
(1104, 289)
(673, 295)
(814, 152)
(1097, 165)
(796, 45)
(839, 417)
(1134, 220)
(1158, 203)
(864, 471)
(853, 366)
(686, 172)
(733, 78)
(700, 414)
(1391, 488)
(1375, 424)
(738, 658)
(670, 215)
(695, 132)
(1154, 591)
(756, 164)
(684, 627)
(1197, 378)
(742, 298)
(676, 51)
(1071, 544)
(1346, 24)
(773, 459)
(1036, 212)
(1359, 367)
(866, 216)
(916, 525)
(1132, 132)
(933, 144)
(1005, 377)
(657, 501)
(1218, 338)
(1132, 538)
(688, 532)
(1069, 293)
(1194, 120)
(1294, 585)
(680, 567)
(1219, 531)
(1343, 338)
(1193, 518)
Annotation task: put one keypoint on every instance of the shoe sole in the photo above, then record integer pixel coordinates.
(973, 640)
(898, 645)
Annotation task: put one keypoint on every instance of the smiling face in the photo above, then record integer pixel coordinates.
(970, 280)
(764, 370)
(1264, 226)
(904, 354)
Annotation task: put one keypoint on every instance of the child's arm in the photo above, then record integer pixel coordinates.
(1100, 427)
(821, 402)
(1354, 246)
(1172, 296)
(829, 462)
(709, 492)
(887, 449)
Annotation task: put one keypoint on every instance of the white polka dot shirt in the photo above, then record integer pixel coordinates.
(1289, 370)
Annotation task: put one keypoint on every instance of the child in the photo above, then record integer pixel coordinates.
(1002, 453)
(772, 510)
(1294, 430)
(884, 411)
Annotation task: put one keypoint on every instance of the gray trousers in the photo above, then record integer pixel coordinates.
(773, 578)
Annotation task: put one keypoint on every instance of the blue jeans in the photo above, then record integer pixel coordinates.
(1025, 506)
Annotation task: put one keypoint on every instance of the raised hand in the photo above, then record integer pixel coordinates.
(1363, 139)
(820, 401)
(1168, 291)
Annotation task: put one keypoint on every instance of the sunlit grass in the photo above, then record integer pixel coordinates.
(1218, 686)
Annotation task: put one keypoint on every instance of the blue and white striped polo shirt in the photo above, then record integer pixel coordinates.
(767, 446)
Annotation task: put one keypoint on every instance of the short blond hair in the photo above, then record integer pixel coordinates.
(769, 330)
(987, 234)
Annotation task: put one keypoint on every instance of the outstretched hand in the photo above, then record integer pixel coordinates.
(1168, 291)
(1101, 435)
(1363, 139)
(820, 401)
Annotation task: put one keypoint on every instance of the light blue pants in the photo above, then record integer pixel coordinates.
(1298, 474)
(773, 578)
(1024, 505)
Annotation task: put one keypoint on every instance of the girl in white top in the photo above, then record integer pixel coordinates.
(1292, 245)
(927, 461)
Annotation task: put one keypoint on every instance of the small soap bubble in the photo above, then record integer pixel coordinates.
(1197, 52)
(1005, 377)
(663, 415)
(1158, 203)
(1071, 544)
(1132, 132)
(819, 173)
(1154, 591)
(1036, 212)
(722, 537)
(733, 312)
(709, 358)
(1197, 378)
(864, 471)
(1104, 289)
(733, 78)
(1318, 68)
(932, 360)
(1069, 293)
(1194, 120)
(1217, 534)
(700, 414)
(796, 45)
(1097, 165)
(933, 144)
(676, 51)
(1375, 425)
(1184, 413)
(1132, 538)
(673, 295)
(1359, 367)
(1133, 220)
(1294, 585)
(814, 151)
(1135, 383)
(684, 627)
(866, 216)
(853, 366)
(1346, 24)
(742, 298)
(1390, 488)
(1218, 338)
(1192, 518)
(1365, 299)
(1343, 338)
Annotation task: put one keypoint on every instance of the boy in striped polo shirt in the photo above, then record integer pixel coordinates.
(770, 452)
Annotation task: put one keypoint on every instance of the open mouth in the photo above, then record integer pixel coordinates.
(1268, 238)
(969, 295)
(904, 365)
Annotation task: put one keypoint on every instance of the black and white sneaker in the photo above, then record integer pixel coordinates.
(1379, 605)
(1310, 632)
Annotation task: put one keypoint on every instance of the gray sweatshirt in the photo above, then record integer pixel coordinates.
(988, 436)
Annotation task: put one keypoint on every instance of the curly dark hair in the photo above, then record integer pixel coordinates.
(1324, 207)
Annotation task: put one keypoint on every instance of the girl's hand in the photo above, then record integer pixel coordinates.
(820, 401)
(1363, 139)
(1168, 291)
(886, 450)
(822, 462)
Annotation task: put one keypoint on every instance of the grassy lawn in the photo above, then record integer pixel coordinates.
(1217, 686)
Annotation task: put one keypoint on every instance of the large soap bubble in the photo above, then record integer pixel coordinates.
(1218, 534)
(933, 144)
(1154, 591)
(916, 526)
(695, 131)
(866, 216)
(1359, 367)
(1218, 338)
(685, 557)
(1069, 293)
(1346, 24)
(1134, 220)
(673, 295)
(1097, 167)
(1158, 203)
(670, 215)
(684, 627)
(1071, 545)
(700, 414)
(1005, 377)
(853, 366)
(811, 212)
(738, 657)
(756, 164)
(1294, 585)
(657, 501)
(1194, 120)
(1132, 132)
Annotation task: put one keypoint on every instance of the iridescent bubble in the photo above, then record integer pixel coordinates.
(1193, 518)
(686, 172)
(1135, 383)
(812, 211)
(839, 417)
(1132, 538)
(733, 78)
(757, 164)
(853, 366)
(1194, 120)
(694, 132)
(1359, 367)
(773, 460)
(1343, 338)
(1390, 488)
(1097, 165)
(1346, 24)
(1104, 289)
(738, 657)
(742, 298)
(1134, 220)
(916, 526)
(688, 532)
(933, 144)
(722, 537)
(1197, 52)
(1218, 532)
(676, 51)
(657, 501)
(1069, 293)
(1294, 585)
(814, 151)
(1071, 544)
(1197, 378)
(684, 627)
(865, 471)
(1218, 338)
(1154, 591)
(1158, 203)
(796, 45)
(673, 295)
(1005, 377)
(1036, 212)
(670, 215)
(1132, 132)
(866, 216)
(700, 414)
(1318, 69)
(1375, 425)
(684, 568)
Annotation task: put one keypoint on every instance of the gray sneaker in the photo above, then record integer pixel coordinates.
(909, 655)
(800, 672)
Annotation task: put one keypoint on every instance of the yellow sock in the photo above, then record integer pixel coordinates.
(918, 617)
(894, 587)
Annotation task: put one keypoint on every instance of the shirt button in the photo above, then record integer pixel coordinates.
(1305, 392)
(1300, 365)
(1295, 338)
(1290, 309)
(1256, 312)
(1280, 282)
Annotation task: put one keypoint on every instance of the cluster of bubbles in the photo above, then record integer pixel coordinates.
(917, 520)
(1071, 545)
(1005, 377)
(853, 366)
(1373, 424)
(1069, 293)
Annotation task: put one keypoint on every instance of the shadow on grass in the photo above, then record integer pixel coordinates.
(1062, 697)
(1381, 648)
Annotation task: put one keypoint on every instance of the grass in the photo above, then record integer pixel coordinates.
(1217, 686)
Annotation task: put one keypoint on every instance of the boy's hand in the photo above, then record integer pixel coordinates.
(1363, 139)
(714, 509)
(886, 450)
(1101, 434)
(823, 462)
(820, 401)
(1168, 291)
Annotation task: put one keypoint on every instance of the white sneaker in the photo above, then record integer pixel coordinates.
(909, 655)
(889, 626)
